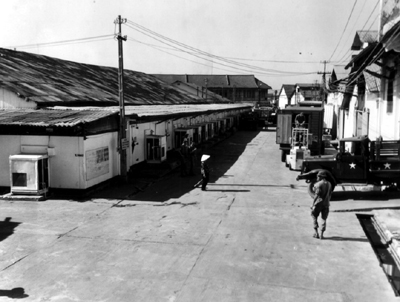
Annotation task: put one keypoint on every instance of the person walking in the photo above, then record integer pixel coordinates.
(323, 192)
(205, 172)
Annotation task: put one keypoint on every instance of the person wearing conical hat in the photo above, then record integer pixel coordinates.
(205, 172)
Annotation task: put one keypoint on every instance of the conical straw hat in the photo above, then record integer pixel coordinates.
(204, 157)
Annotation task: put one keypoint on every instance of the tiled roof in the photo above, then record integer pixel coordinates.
(210, 94)
(215, 81)
(51, 117)
(364, 36)
(373, 82)
(50, 81)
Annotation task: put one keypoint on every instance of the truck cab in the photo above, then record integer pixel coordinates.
(358, 161)
(349, 165)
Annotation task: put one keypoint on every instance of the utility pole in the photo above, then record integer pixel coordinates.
(324, 95)
(206, 82)
(123, 143)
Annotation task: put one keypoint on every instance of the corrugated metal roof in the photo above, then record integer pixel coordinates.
(51, 117)
(215, 81)
(47, 80)
(166, 110)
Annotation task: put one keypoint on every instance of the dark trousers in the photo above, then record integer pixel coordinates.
(324, 211)
(204, 181)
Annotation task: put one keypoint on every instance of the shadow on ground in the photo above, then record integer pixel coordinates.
(7, 228)
(15, 293)
(368, 195)
(335, 238)
(223, 156)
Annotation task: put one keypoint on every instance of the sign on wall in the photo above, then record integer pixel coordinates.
(97, 162)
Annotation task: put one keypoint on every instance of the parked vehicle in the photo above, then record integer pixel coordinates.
(358, 161)
(313, 123)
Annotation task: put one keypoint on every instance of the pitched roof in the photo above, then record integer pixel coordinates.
(289, 89)
(48, 81)
(215, 81)
(51, 117)
(200, 90)
(364, 36)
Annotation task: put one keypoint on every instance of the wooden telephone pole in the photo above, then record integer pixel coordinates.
(123, 142)
(324, 95)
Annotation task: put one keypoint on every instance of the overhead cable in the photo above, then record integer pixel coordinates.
(348, 19)
(64, 42)
(202, 54)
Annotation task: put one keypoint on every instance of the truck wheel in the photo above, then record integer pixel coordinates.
(311, 191)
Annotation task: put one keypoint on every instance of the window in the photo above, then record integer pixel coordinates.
(390, 90)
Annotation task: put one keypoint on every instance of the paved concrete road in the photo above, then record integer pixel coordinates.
(248, 238)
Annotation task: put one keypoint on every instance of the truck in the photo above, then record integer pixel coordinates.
(314, 121)
(358, 161)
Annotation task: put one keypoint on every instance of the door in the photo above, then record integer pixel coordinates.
(155, 149)
(352, 163)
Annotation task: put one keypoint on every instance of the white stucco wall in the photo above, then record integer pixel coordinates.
(390, 122)
(67, 168)
(97, 167)
(372, 104)
(283, 99)
(10, 100)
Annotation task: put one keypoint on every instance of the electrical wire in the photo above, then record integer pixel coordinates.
(204, 55)
(351, 30)
(64, 42)
(369, 17)
(196, 62)
(395, 34)
(348, 19)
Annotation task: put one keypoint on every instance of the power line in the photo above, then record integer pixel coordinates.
(348, 19)
(351, 30)
(64, 42)
(196, 62)
(204, 55)
(369, 17)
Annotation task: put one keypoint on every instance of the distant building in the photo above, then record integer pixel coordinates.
(300, 94)
(237, 88)
(284, 95)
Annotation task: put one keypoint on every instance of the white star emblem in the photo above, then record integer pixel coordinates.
(352, 166)
(387, 166)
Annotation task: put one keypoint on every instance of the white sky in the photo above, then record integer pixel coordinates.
(259, 31)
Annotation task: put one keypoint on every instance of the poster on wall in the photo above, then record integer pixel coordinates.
(97, 162)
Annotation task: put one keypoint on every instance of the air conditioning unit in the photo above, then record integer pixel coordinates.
(29, 174)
